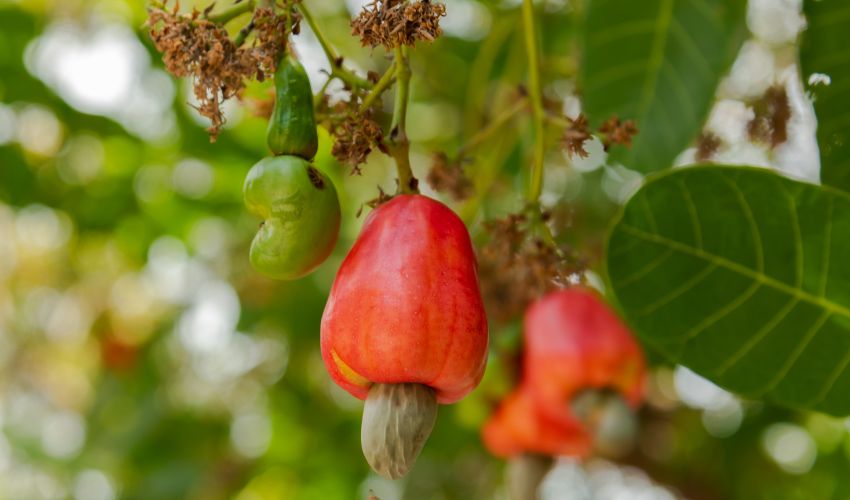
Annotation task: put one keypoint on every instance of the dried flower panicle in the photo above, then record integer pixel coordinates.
(772, 112)
(393, 23)
(193, 46)
(615, 131)
(447, 176)
(271, 31)
(575, 137)
(517, 267)
(707, 145)
(355, 134)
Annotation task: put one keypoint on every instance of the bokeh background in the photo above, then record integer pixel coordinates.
(142, 358)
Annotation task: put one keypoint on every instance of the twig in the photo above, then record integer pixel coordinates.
(495, 124)
(535, 185)
(231, 13)
(317, 99)
(337, 69)
(244, 32)
(379, 88)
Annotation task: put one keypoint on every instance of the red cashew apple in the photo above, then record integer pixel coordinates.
(518, 426)
(581, 368)
(575, 342)
(519, 431)
(404, 327)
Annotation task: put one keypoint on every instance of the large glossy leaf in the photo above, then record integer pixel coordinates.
(826, 50)
(743, 276)
(657, 62)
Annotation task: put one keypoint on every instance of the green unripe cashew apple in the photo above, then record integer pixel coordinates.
(301, 215)
(292, 126)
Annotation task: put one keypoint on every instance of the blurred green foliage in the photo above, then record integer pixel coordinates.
(142, 358)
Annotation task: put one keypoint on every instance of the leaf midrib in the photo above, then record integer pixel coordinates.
(761, 277)
(656, 58)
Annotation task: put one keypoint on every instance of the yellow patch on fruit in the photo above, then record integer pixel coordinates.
(348, 373)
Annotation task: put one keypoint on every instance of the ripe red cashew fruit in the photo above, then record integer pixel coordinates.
(574, 343)
(518, 427)
(582, 374)
(521, 433)
(404, 327)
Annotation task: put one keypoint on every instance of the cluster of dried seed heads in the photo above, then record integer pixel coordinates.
(772, 112)
(518, 266)
(612, 131)
(447, 176)
(707, 145)
(193, 46)
(393, 23)
(575, 135)
(355, 133)
(615, 131)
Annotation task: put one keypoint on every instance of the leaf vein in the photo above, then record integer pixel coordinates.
(624, 249)
(757, 338)
(625, 282)
(722, 312)
(692, 211)
(832, 380)
(707, 11)
(804, 296)
(656, 58)
(688, 43)
(678, 291)
(615, 73)
(617, 32)
(751, 220)
(799, 255)
(795, 355)
(650, 217)
(681, 91)
(827, 248)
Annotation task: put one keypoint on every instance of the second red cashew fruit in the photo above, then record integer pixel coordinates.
(404, 327)
(579, 359)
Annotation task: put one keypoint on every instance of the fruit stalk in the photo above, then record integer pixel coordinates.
(399, 146)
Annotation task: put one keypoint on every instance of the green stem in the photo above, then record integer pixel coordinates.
(231, 13)
(540, 228)
(323, 41)
(535, 185)
(558, 121)
(317, 99)
(243, 33)
(546, 233)
(399, 146)
(492, 126)
(337, 70)
(379, 88)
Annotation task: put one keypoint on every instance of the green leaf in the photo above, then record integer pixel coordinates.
(742, 276)
(657, 62)
(826, 50)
